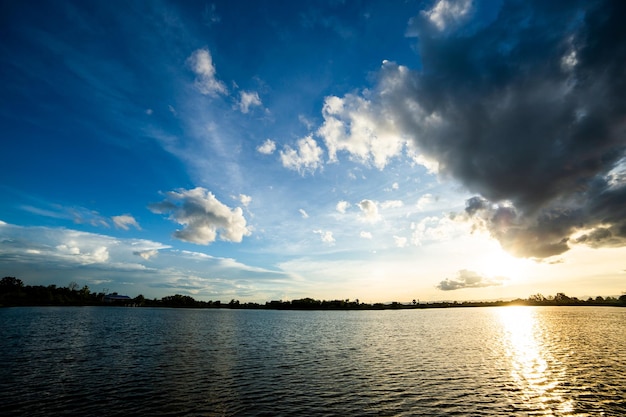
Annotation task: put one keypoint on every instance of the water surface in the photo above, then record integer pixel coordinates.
(535, 361)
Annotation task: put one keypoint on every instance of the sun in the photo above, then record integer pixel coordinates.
(498, 263)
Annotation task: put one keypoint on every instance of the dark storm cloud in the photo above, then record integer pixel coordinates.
(528, 111)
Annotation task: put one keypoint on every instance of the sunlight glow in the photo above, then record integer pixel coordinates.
(530, 362)
(501, 264)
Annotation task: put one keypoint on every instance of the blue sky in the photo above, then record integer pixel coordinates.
(433, 150)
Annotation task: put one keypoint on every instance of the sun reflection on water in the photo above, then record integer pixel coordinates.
(530, 362)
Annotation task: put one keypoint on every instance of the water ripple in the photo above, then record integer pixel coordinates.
(453, 362)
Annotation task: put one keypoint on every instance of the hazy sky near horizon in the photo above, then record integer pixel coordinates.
(432, 150)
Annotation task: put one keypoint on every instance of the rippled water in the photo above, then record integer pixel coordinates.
(547, 361)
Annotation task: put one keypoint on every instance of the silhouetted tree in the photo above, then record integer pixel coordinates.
(139, 300)
(561, 298)
(11, 283)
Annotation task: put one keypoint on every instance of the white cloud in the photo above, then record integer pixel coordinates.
(361, 128)
(437, 229)
(431, 165)
(304, 214)
(400, 241)
(342, 206)
(326, 236)
(44, 247)
(201, 64)
(146, 254)
(448, 12)
(124, 221)
(369, 210)
(267, 148)
(132, 266)
(395, 186)
(248, 99)
(365, 235)
(245, 200)
(202, 216)
(424, 201)
(306, 157)
(69, 249)
(89, 254)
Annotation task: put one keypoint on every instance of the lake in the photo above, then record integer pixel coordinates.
(107, 361)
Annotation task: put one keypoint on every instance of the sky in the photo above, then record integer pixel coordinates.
(372, 150)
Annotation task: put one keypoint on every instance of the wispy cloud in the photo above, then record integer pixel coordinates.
(245, 200)
(210, 16)
(78, 215)
(201, 63)
(326, 236)
(132, 265)
(248, 99)
(124, 222)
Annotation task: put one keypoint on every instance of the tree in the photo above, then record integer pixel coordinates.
(85, 292)
(561, 298)
(72, 286)
(11, 283)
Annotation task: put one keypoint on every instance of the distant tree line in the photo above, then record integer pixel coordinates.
(13, 292)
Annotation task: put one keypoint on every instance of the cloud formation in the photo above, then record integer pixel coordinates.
(342, 206)
(326, 236)
(59, 248)
(468, 279)
(201, 63)
(203, 216)
(369, 211)
(354, 125)
(445, 12)
(124, 222)
(245, 200)
(306, 157)
(267, 148)
(527, 113)
(248, 99)
(77, 214)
